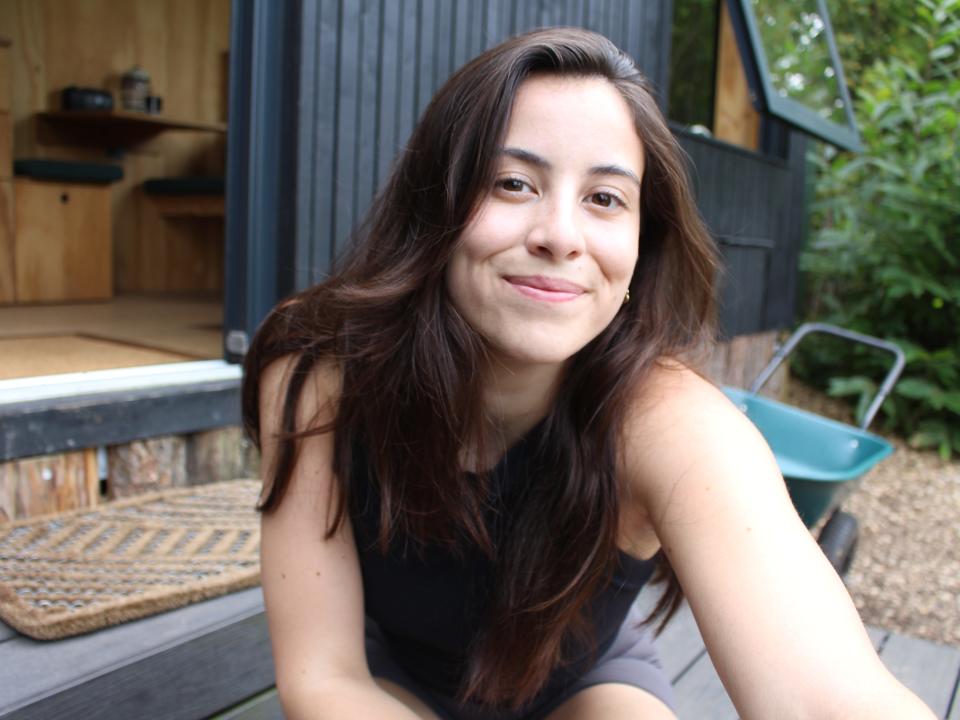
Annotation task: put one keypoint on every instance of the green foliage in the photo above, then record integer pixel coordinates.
(884, 252)
(870, 30)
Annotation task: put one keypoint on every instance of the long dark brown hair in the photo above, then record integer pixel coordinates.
(412, 368)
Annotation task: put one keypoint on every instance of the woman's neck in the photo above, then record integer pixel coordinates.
(516, 397)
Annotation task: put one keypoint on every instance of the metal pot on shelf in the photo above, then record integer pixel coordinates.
(134, 89)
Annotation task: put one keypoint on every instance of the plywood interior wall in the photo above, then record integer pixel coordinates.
(735, 119)
(183, 45)
(6, 172)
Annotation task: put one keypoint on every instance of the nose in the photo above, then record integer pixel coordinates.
(556, 233)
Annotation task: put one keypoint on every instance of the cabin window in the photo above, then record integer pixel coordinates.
(736, 62)
(693, 62)
(793, 66)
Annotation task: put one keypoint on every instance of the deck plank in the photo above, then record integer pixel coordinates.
(6, 632)
(927, 668)
(118, 669)
(178, 664)
(680, 644)
(265, 706)
(955, 711)
(700, 694)
(878, 636)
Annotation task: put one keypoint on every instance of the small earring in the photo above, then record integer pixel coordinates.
(626, 298)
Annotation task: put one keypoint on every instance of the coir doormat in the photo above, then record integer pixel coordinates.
(71, 573)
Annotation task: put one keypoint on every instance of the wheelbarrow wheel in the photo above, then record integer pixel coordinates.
(838, 540)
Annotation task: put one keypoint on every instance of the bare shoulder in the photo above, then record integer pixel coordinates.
(674, 389)
(679, 423)
(661, 410)
(320, 388)
(316, 406)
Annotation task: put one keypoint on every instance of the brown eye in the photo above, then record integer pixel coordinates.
(512, 184)
(604, 199)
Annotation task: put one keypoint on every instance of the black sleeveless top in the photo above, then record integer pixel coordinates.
(429, 604)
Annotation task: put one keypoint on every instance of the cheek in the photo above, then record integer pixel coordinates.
(465, 285)
(490, 232)
(618, 258)
(455, 278)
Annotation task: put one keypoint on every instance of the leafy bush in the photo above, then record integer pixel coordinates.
(884, 252)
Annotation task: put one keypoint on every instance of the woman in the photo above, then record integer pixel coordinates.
(481, 436)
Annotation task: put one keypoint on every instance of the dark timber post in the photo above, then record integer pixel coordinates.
(261, 159)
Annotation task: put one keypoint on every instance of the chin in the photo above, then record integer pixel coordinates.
(533, 350)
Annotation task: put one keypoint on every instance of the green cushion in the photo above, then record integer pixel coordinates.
(68, 171)
(184, 186)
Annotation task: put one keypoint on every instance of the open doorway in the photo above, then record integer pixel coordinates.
(112, 166)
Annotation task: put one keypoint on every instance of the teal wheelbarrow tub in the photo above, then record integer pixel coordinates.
(820, 459)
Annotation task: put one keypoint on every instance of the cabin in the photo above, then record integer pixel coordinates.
(169, 170)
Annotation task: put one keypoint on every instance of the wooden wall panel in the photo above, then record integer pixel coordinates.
(155, 254)
(6, 146)
(183, 45)
(62, 241)
(5, 74)
(221, 454)
(7, 289)
(139, 239)
(87, 265)
(55, 483)
(146, 466)
(734, 117)
(196, 254)
(738, 362)
(48, 484)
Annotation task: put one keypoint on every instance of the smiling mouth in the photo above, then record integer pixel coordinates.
(544, 288)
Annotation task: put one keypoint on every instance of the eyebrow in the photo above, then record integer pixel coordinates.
(530, 158)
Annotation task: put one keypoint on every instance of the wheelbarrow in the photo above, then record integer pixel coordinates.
(820, 459)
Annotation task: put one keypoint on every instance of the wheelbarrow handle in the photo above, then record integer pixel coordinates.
(888, 382)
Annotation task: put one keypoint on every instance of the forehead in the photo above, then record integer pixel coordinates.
(583, 114)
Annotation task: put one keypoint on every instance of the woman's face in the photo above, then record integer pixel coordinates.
(544, 264)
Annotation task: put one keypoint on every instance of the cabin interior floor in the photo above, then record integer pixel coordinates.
(125, 331)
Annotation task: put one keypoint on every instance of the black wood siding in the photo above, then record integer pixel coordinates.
(371, 66)
(754, 206)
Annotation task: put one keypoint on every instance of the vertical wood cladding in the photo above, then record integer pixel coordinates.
(754, 207)
(369, 67)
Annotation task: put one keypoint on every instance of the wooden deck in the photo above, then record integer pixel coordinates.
(214, 657)
(931, 670)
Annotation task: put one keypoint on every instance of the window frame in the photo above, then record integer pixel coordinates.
(768, 100)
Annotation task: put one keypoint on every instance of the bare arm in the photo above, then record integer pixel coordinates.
(312, 586)
(778, 623)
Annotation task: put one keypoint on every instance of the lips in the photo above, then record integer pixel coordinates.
(540, 287)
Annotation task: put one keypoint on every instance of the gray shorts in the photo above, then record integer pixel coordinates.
(631, 660)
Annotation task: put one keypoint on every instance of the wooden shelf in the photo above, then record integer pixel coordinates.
(189, 206)
(117, 128)
(127, 118)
